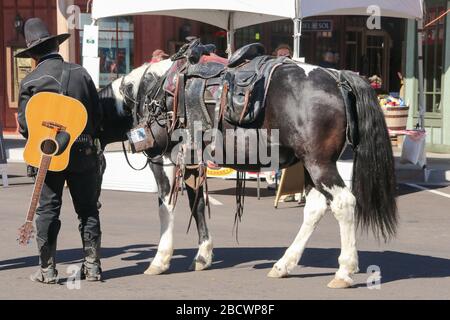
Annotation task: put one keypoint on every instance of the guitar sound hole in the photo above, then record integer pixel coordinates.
(49, 147)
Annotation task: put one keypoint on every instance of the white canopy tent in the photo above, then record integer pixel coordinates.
(234, 14)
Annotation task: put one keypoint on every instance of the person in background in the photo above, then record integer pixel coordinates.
(328, 60)
(158, 55)
(283, 50)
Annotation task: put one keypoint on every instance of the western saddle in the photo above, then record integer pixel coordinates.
(237, 87)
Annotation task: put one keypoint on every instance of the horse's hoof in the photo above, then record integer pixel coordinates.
(276, 273)
(200, 264)
(155, 270)
(339, 284)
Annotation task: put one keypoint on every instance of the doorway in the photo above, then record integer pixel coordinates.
(368, 52)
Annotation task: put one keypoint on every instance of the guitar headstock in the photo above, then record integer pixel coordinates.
(26, 232)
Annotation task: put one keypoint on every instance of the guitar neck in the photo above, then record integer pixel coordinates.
(40, 178)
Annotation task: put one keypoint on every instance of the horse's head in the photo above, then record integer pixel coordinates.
(121, 99)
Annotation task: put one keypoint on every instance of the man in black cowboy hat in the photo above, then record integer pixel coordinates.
(52, 74)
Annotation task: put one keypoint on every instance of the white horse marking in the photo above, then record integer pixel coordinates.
(315, 208)
(161, 262)
(343, 207)
(135, 76)
(308, 68)
(160, 68)
(203, 259)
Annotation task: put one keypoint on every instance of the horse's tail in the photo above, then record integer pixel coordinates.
(374, 183)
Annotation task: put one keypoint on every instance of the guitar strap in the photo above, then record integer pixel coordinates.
(62, 137)
(65, 77)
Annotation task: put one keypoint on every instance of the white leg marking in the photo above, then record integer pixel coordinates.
(204, 257)
(343, 207)
(161, 262)
(315, 208)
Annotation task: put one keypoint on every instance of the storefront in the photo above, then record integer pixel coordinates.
(388, 53)
(437, 75)
(125, 42)
(354, 46)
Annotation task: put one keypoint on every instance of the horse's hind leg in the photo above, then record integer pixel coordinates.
(328, 186)
(315, 208)
(342, 204)
(343, 207)
(164, 179)
(203, 259)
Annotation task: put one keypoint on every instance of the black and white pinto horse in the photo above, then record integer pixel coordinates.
(113, 97)
(305, 104)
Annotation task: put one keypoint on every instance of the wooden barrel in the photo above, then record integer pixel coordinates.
(396, 117)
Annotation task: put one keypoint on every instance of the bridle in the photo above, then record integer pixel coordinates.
(156, 114)
(156, 106)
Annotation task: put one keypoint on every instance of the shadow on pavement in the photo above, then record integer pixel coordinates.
(68, 256)
(394, 265)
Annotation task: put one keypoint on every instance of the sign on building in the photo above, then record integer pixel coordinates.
(91, 61)
(317, 25)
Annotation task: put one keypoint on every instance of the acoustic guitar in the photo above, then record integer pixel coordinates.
(54, 122)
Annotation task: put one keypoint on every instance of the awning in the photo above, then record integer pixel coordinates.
(250, 12)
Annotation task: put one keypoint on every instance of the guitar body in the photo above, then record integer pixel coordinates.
(54, 122)
(54, 108)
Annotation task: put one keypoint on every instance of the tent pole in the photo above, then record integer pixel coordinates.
(230, 34)
(422, 109)
(297, 29)
(297, 36)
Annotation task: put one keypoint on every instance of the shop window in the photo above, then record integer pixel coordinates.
(116, 46)
(434, 53)
(18, 68)
(247, 35)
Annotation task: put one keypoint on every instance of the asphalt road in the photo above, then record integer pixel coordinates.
(416, 265)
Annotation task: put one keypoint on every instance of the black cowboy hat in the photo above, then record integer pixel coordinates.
(36, 34)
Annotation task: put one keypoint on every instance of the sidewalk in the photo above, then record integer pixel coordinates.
(438, 166)
(437, 170)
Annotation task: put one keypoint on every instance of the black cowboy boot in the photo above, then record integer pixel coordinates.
(46, 243)
(91, 269)
(47, 272)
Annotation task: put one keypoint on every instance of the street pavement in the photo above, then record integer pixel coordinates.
(415, 265)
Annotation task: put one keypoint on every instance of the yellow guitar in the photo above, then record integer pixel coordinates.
(54, 123)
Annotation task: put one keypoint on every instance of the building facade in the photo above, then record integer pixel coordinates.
(126, 42)
(436, 73)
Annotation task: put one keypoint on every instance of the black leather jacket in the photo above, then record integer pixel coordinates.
(47, 77)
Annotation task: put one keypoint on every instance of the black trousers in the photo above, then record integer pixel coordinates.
(84, 191)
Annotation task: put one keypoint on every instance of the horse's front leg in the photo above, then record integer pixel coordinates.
(203, 259)
(164, 175)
